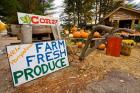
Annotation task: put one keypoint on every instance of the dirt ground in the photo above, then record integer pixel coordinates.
(99, 73)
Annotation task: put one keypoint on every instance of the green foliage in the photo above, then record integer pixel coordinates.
(107, 6)
(9, 8)
(137, 27)
(130, 6)
(79, 10)
(85, 10)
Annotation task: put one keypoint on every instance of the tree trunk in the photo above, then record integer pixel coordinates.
(96, 16)
(100, 11)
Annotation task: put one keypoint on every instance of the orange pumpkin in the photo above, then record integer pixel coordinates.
(82, 31)
(96, 35)
(84, 34)
(101, 46)
(74, 29)
(80, 44)
(76, 34)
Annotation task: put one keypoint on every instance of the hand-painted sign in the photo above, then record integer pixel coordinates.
(31, 61)
(24, 18)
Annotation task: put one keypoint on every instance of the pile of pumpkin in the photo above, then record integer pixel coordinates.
(78, 34)
(82, 33)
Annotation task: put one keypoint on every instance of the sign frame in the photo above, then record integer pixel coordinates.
(66, 59)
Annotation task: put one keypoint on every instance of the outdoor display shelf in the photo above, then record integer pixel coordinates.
(87, 39)
(135, 37)
(94, 41)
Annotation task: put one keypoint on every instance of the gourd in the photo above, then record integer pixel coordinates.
(101, 46)
(74, 29)
(71, 35)
(76, 34)
(84, 34)
(96, 35)
(80, 44)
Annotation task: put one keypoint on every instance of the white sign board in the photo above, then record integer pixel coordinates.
(24, 18)
(31, 61)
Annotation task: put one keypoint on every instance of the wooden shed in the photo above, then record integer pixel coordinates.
(123, 17)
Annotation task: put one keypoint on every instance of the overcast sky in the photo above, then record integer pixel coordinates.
(59, 10)
(135, 1)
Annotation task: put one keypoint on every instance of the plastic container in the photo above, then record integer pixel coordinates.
(114, 46)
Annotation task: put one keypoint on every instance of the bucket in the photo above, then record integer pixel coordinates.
(114, 46)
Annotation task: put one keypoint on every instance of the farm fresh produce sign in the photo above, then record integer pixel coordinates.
(24, 18)
(31, 61)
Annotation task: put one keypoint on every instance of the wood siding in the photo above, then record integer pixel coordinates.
(124, 15)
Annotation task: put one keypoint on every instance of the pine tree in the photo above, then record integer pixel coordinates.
(9, 8)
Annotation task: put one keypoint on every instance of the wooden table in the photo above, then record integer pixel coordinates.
(135, 37)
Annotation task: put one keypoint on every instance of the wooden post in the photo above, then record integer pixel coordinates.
(26, 31)
(118, 23)
(86, 45)
(56, 32)
(133, 24)
(112, 23)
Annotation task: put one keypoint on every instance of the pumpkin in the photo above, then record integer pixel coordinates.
(76, 34)
(71, 35)
(96, 35)
(82, 30)
(74, 29)
(101, 46)
(84, 34)
(66, 32)
(80, 44)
